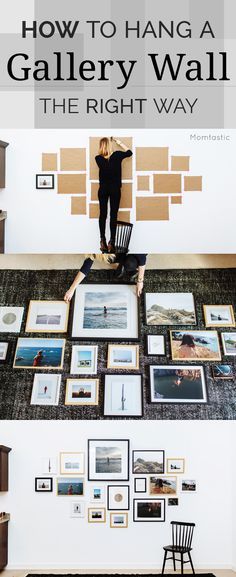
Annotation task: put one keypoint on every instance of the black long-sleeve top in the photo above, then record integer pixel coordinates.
(88, 263)
(110, 168)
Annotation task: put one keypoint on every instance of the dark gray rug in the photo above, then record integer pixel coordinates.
(110, 574)
(208, 286)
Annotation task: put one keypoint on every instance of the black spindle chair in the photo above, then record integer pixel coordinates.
(123, 235)
(182, 535)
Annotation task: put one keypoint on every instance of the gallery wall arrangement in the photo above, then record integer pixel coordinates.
(169, 354)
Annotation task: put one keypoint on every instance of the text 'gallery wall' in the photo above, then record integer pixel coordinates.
(175, 179)
(43, 532)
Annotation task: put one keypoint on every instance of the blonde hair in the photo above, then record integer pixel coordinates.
(105, 147)
(106, 258)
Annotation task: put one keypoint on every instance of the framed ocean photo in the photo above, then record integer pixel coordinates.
(34, 353)
(177, 384)
(195, 345)
(108, 459)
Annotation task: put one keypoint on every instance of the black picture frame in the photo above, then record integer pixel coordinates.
(128, 495)
(148, 472)
(145, 484)
(108, 478)
(45, 187)
(151, 520)
(37, 490)
(170, 325)
(134, 373)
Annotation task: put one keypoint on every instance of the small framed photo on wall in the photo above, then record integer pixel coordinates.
(44, 181)
(43, 484)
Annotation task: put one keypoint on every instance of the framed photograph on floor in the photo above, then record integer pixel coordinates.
(170, 309)
(96, 515)
(11, 319)
(140, 485)
(123, 357)
(229, 343)
(84, 360)
(3, 352)
(159, 485)
(178, 384)
(71, 463)
(156, 345)
(118, 520)
(108, 459)
(82, 392)
(148, 461)
(46, 389)
(195, 345)
(43, 484)
(219, 315)
(175, 465)
(77, 509)
(39, 353)
(105, 311)
(151, 510)
(118, 497)
(44, 181)
(222, 372)
(97, 494)
(123, 396)
(70, 486)
(47, 317)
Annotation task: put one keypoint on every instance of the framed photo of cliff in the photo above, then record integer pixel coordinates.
(195, 345)
(170, 309)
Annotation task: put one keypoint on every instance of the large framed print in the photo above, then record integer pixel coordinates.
(195, 345)
(177, 384)
(11, 319)
(219, 315)
(46, 389)
(151, 510)
(39, 353)
(123, 396)
(47, 317)
(147, 461)
(170, 309)
(104, 311)
(84, 360)
(108, 459)
(118, 497)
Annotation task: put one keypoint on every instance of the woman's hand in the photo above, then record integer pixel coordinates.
(69, 294)
(139, 288)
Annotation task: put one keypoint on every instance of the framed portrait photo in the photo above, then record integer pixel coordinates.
(151, 510)
(220, 371)
(175, 465)
(3, 352)
(84, 360)
(118, 497)
(70, 486)
(170, 309)
(103, 311)
(195, 345)
(178, 384)
(159, 485)
(72, 463)
(108, 459)
(43, 484)
(46, 389)
(39, 353)
(11, 319)
(44, 181)
(82, 392)
(229, 344)
(155, 345)
(123, 396)
(148, 461)
(219, 315)
(47, 317)
(118, 520)
(123, 357)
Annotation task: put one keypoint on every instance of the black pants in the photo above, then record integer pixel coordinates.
(104, 195)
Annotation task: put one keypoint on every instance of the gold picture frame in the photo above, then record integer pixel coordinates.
(44, 347)
(125, 364)
(174, 470)
(96, 518)
(31, 326)
(81, 457)
(84, 398)
(194, 348)
(217, 322)
(162, 488)
(117, 525)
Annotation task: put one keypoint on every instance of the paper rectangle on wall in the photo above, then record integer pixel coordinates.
(78, 205)
(180, 163)
(94, 210)
(124, 215)
(143, 182)
(151, 158)
(126, 194)
(127, 166)
(73, 159)
(71, 183)
(49, 161)
(166, 183)
(152, 208)
(193, 183)
(176, 199)
(94, 190)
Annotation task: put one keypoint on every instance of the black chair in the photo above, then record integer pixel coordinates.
(182, 534)
(123, 235)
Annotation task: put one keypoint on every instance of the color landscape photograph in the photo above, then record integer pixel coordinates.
(105, 310)
(201, 345)
(170, 309)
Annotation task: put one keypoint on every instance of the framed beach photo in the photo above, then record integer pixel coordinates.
(46, 389)
(3, 351)
(77, 509)
(118, 497)
(47, 317)
(82, 392)
(34, 353)
(44, 181)
(170, 309)
(229, 343)
(96, 515)
(159, 485)
(70, 486)
(175, 465)
(140, 485)
(195, 345)
(97, 493)
(123, 357)
(219, 315)
(178, 384)
(222, 372)
(84, 360)
(103, 311)
(72, 463)
(151, 510)
(11, 319)
(108, 459)
(188, 486)
(155, 345)
(43, 484)
(118, 520)
(123, 396)
(147, 462)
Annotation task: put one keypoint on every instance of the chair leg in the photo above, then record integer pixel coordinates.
(182, 564)
(191, 563)
(174, 564)
(164, 562)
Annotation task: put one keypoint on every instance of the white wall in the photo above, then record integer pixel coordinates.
(39, 221)
(43, 535)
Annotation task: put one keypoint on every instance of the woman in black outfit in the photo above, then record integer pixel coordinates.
(109, 164)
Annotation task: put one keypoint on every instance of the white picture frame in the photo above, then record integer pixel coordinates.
(46, 389)
(229, 344)
(3, 351)
(155, 345)
(11, 319)
(123, 395)
(77, 510)
(84, 360)
(97, 493)
(178, 384)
